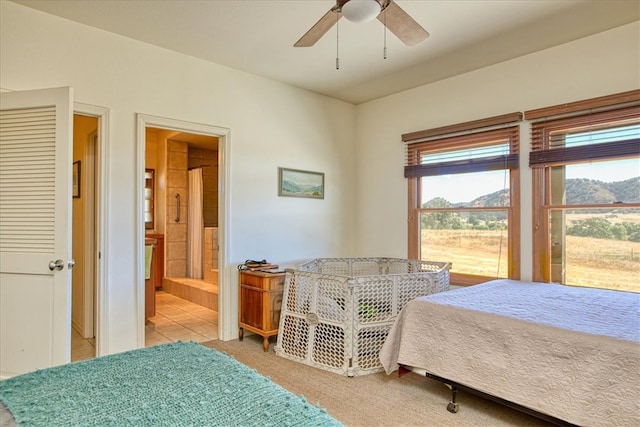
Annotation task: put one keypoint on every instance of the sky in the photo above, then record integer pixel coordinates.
(467, 187)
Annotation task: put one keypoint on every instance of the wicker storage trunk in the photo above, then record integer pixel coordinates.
(337, 312)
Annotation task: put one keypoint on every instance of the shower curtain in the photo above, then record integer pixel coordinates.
(195, 225)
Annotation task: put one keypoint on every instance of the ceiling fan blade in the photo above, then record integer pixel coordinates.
(402, 25)
(319, 29)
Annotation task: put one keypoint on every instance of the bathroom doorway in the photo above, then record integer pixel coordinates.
(181, 213)
(172, 152)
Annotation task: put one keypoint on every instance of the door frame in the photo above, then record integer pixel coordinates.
(99, 222)
(226, 323)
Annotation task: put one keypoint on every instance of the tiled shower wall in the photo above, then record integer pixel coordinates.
(179, 158)
(176, 231)
(211, 255)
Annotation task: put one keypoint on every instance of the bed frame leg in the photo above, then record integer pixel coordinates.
(453, 406)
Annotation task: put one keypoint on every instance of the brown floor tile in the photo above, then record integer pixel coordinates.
(176, 319)
(186, 335)
(168, 310)
(152, 338)
(209, 331)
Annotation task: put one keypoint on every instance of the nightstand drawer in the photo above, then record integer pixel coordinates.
(266, 281)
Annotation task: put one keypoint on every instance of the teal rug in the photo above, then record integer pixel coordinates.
(178, 384)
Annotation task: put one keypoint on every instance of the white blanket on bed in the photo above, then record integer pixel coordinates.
(573, 353)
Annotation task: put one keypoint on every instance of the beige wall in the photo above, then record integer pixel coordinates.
(156, 159)
(305, 131)
(271, 125)
(598, 65)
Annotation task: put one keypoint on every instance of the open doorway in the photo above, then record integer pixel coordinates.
(181, 236)
(84, 277)
(186, 301)
(88, 296)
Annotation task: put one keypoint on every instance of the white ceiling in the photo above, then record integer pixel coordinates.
(257, 36)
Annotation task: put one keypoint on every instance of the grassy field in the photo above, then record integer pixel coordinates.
(601, 263)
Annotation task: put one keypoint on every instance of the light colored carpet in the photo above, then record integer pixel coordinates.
(375, 399)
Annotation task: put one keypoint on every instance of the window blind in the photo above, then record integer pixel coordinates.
(471, 147)
(606, 130)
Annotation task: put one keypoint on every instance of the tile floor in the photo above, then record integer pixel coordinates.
(179, 319)
(175, 319)
(82, 348)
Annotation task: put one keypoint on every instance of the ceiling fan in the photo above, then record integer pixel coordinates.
(387, 11)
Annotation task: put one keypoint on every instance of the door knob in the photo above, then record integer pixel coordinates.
(71, 263)
(56, 265)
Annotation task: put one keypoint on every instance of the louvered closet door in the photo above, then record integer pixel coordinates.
(35, 229)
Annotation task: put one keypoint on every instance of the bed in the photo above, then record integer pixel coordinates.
(167, 385)
(567, 352)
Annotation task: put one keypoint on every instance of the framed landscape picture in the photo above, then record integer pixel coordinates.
(299, 183)
(75, 180)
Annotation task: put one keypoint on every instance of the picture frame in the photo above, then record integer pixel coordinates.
(300, 183)
(75, 180)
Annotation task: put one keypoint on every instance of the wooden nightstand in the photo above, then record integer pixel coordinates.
(260, 300)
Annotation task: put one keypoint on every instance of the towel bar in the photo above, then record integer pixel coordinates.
(178, 207)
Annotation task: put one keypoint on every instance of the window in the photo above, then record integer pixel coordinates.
(586, 201)
(463, 198)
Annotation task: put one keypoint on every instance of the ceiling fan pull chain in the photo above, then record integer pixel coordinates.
(384, 51)
(337, 41)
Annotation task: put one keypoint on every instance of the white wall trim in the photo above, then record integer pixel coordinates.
(102, 201)
(227, 327)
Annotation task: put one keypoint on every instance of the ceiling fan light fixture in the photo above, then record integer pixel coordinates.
(361, 10)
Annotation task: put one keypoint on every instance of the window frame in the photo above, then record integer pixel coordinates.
(618, 108)
(461, 136)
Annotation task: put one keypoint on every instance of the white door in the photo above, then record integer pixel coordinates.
(35, 229)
